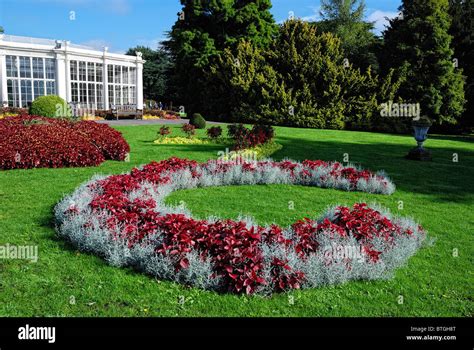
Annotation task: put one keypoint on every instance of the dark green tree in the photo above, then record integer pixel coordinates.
(419, 41)
(326, 91)
(345, 19)
(250, 88)
(155, 72)
(1, 30)
(462, 30)
(302, 80)
(203, 30)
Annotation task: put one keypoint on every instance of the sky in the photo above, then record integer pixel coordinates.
(121, 24)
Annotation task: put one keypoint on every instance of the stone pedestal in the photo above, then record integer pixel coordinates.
(419, 153)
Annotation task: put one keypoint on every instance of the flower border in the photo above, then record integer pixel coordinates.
(123, 218)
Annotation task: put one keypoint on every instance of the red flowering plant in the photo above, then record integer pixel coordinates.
(164, 131)
(39, 142)
(247, 138)
(226, 255)
(214, 132)
(109, 141)
(189, 130)
(57, 143)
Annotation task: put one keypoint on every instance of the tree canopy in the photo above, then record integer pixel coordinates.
(203, 30)
(462, 13)
(301, 80)
(155, 72)
(345, 19)
(420, 41)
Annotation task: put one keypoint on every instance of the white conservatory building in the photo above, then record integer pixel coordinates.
(82, 76)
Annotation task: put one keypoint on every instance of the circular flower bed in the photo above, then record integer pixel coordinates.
(39, 142)
(123, 219)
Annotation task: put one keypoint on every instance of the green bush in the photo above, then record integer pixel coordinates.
(302, 81)
(198, 121)
(51, 106)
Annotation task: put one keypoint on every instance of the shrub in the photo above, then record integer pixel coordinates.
(13, 111)
(164, 131)
(40, 142)
(170, 115)
(214, 132)
(301, 80)
(50, 106)
(154, 112)
(255, 153)
(237, 256)
(248, 138)
(261, 134)
(189, 130)
(108, 140)
(177, 140)
(236, 130)
(198, 121)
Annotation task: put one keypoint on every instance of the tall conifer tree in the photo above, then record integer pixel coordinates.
(419, 40)
(203, 30)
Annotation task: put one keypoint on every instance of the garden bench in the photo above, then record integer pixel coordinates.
(127, 111)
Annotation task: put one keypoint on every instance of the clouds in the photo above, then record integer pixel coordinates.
(315, 16)
(96, 44)
(119, 7)
(151, 43)
(380, 19)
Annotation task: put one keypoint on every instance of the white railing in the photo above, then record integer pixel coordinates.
(27, 40)
(40, 41)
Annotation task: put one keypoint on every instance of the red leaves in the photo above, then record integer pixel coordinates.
(109, 141)
(214, 132)
(284, 277)
(164, 130)
(189, 129)
(314, 164)
(248, 138)
(306, 231)
(38, 142)
(366, 223)
(338, 171)
(372, 253)
(331, 228)
(184, 263)
(235, 250)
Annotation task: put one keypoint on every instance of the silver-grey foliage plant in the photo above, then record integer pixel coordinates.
(85, 229)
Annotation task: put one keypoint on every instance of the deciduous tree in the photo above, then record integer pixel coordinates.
(155, 72)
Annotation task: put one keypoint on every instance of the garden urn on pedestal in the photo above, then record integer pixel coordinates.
(420, 131)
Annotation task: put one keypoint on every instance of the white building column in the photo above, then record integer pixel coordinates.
(139, 81)
(105, 79)
(3, 80)
(67, 76)
(61, 84)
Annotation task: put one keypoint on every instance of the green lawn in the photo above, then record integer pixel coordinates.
(435, 282)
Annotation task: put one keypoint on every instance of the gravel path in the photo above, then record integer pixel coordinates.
(134, 122)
